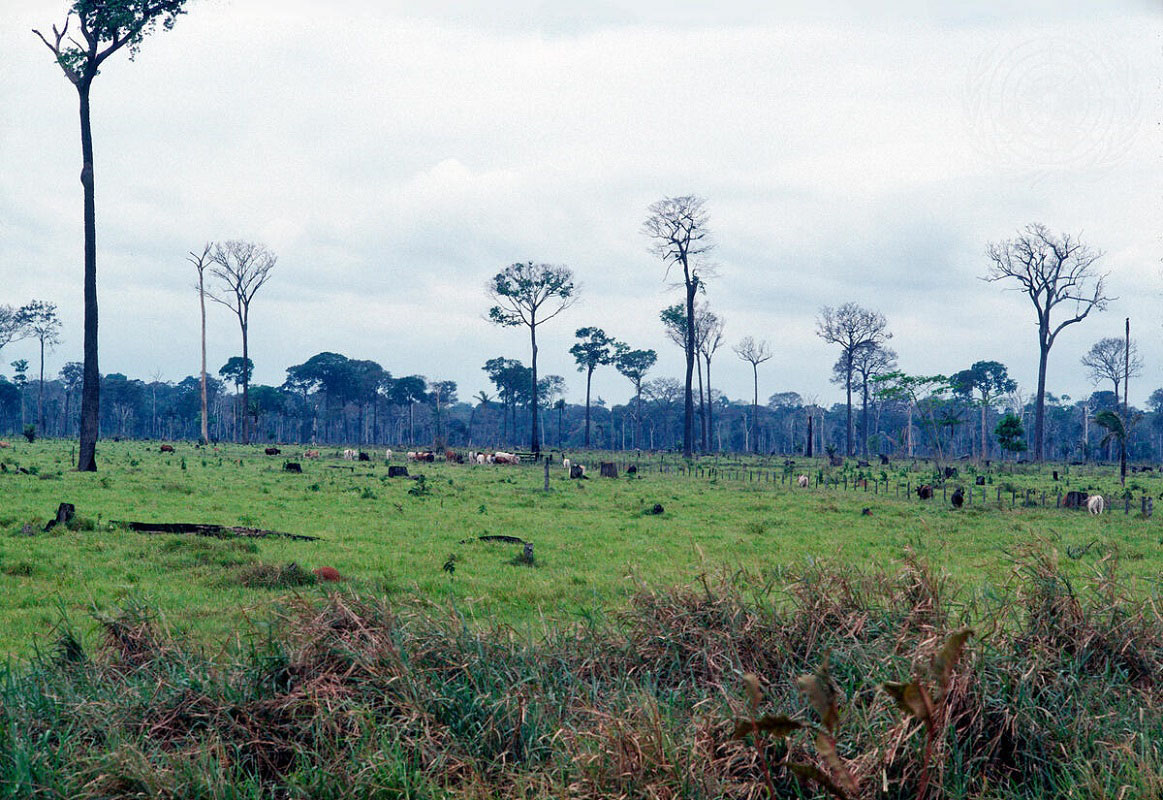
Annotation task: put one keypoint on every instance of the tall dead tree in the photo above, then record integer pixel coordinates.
(852, 327)
(754, 353)
(242, 268)
(105, 27)
(678, 228)
(1051, 270)
(200, 262)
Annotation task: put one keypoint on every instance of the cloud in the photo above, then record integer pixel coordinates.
(395, 158)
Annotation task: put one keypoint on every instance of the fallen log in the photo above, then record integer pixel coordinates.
(217, 531)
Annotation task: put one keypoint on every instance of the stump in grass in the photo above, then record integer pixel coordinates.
(609, 469)
(293, 466)
(397, 472)
(65, 512)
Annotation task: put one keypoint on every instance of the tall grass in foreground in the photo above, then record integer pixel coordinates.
(1058, 695)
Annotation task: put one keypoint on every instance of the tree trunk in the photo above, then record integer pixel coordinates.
(848, 388)
(91, 382)
(638, 415)
(40, 393)
(702, 407)
(535, 435)
(984, 406)
(245, 388)
(808, 454)
(864, 416)
(1040, 402)
(589, 377)
(710, 401)
(755, 408)
(205, 408)
(689, 401)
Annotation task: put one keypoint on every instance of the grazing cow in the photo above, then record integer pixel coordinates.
(578, 472)
(1095, 505)
(273, 451)
(925, 491)
(4, 445)
(565, 463)
(506, 458)
(412, 455)
(387, 455)
(167, 448)
(958, 498)
(1075, 499)
(481, 458)
(311, 454)
(349, 454)
(803, 481)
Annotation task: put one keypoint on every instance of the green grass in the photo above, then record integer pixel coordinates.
(594, 544)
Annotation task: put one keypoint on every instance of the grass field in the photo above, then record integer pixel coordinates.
(595, 543)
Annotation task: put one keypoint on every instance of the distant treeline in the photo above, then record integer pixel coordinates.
(331, 399)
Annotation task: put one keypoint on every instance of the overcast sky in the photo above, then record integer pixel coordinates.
(395, 158)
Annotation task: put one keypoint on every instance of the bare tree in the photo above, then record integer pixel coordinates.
(531, 294)
(105, 28)
(200, 262)
(243, 268)
(1109, 360)
(870, 362)
(852, 327)
(1050, 270)
(11, 328)
(755, 353)
(710, 339)
(40, 321)
(680, 236)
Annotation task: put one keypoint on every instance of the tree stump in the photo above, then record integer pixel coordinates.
(65, 512)
(609, 469)
(397, 472)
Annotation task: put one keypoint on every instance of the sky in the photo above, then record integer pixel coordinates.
(396, 155)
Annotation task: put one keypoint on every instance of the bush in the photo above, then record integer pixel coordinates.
(30, 433)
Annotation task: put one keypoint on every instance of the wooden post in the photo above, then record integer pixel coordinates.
(547, 474)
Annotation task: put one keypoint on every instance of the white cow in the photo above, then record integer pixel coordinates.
(350, 455)
(1096, 504)
(565, 463)
(803, 481)
(387, 455)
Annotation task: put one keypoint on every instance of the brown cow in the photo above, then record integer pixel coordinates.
(167, 448)
(311, 454)
(925, 491)
(273, 451)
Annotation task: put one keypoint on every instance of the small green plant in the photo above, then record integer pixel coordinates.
(421, 488)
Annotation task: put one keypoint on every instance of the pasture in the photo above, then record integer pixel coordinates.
(596, 542)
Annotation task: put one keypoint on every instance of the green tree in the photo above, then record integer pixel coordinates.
(1010, 434)
(105, 27)
(634, 364)
(20, 379)
(531, 294)
(39, 319)
(595, 349)
(989, 379)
